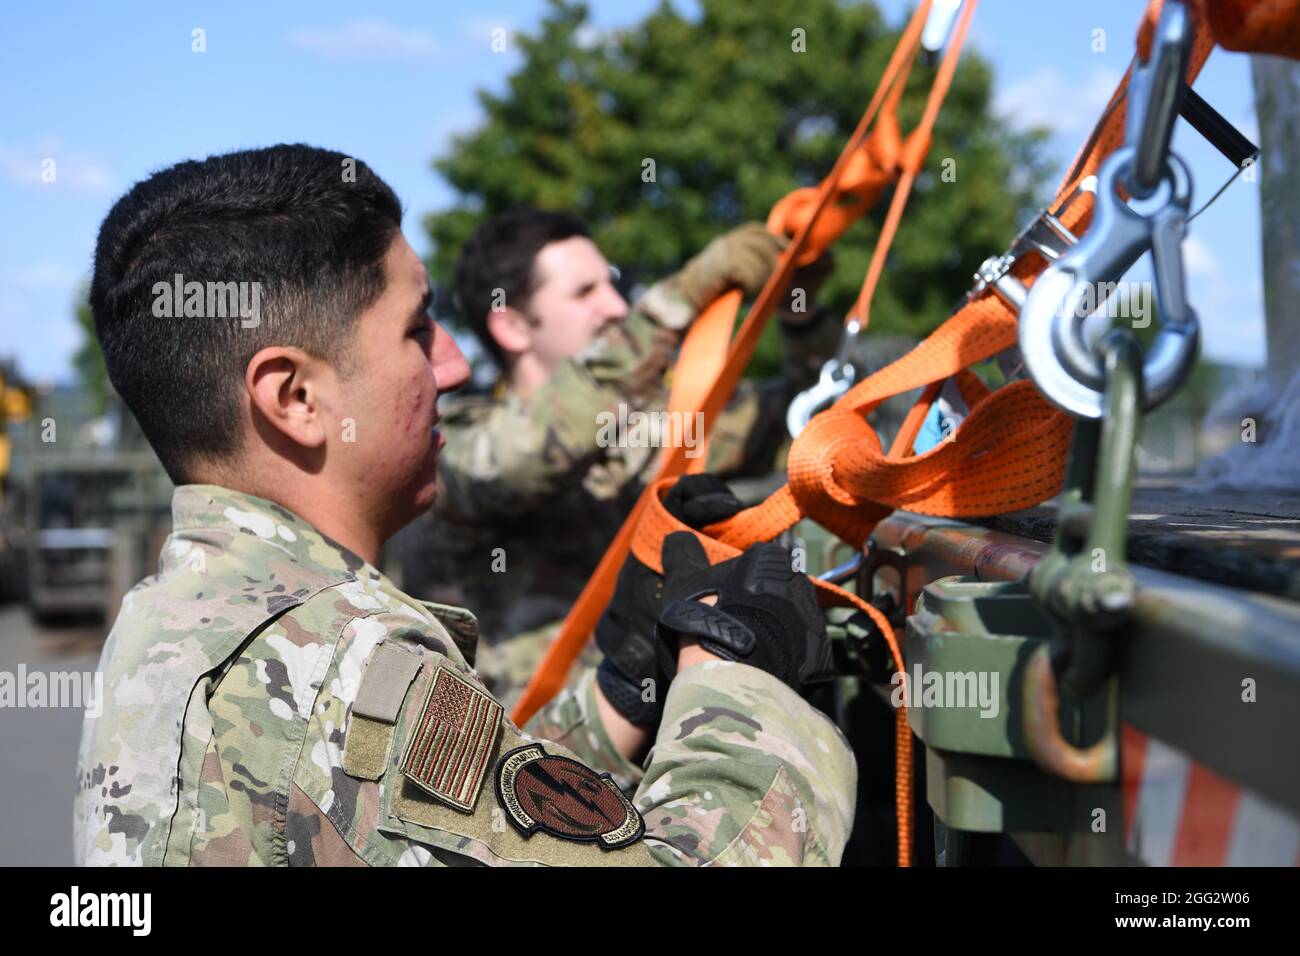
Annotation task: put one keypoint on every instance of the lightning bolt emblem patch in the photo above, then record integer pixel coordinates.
(559, 796)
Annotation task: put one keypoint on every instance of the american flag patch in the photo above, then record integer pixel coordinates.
(449, 749)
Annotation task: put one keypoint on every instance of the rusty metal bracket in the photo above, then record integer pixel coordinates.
(1083, 581)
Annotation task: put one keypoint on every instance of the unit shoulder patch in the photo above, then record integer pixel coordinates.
(451, 741)
(562, 797)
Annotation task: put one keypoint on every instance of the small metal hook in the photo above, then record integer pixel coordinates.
(837, 377)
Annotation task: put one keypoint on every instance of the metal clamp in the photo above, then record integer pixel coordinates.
(837, 377)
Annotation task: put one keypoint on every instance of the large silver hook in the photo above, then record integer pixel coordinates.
(1057, 355)
(1052, 341)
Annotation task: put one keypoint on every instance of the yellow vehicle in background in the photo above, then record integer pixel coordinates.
(15, 406)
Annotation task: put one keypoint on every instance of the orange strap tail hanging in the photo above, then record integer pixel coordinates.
(1013, 444)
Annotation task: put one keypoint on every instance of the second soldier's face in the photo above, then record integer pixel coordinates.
(403, 362)
(572, 299)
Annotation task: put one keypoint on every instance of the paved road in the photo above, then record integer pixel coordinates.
(38, 746)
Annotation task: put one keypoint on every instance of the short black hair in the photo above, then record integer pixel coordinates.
(310, 226)
(500, 255)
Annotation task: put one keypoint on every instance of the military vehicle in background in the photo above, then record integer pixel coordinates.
(87, 509)
(15, 409)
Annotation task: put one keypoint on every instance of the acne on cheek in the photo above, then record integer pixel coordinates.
(410, 450)
(413, 409)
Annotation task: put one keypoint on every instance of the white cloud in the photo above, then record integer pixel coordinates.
(1230, 307)
(1047, 98)
(365, 40)
(27, 164)
(1199, 259)
(480, 29)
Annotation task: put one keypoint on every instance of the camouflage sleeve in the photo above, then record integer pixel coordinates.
(402, 764)
(572, 719)
(745, 772)
(406, 761)
(523, 452)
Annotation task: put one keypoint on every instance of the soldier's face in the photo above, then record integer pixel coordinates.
(405, 361)
(573, 298)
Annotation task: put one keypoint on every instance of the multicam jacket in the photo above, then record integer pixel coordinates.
(271, 699)
(531, 494)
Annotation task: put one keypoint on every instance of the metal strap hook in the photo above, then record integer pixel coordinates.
(837, 377)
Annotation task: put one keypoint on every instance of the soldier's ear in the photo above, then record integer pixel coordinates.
(511, 330)
(285, 389)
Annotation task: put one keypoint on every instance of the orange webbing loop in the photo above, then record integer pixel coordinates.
(582, 618)
(912, 157)
(1013, 443)
(703, 354)
(865, 167)
(813, 220)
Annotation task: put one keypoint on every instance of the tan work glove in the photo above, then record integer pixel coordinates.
(743, 257)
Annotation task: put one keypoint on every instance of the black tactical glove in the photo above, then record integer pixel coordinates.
(701, 500)
(629, 675)
(766, 614)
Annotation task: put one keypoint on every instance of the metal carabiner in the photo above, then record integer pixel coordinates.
(1153, 98)
(837, 377)
(1056, 353)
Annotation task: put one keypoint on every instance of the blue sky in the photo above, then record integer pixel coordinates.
(114, 91)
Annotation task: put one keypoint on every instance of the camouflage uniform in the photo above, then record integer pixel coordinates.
(530, 500)
(268, 693)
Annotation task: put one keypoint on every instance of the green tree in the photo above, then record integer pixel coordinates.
(733, 119)
(89, 360)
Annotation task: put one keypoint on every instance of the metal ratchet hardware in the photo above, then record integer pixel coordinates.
(1046, 235)
(1061, 361)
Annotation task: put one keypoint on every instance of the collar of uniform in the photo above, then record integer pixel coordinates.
(460, 623)
(213, 508)
(200, 511)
